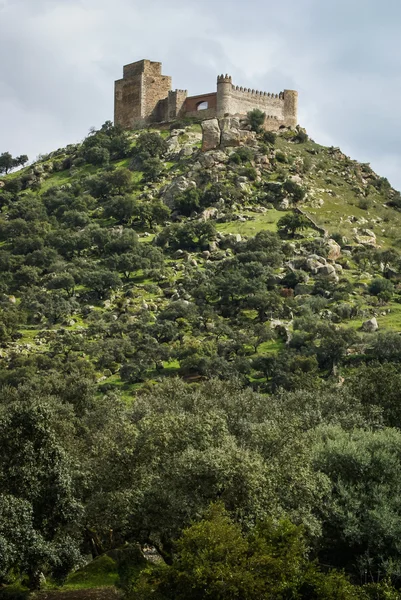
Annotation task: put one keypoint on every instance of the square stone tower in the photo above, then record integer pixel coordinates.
(140, 93)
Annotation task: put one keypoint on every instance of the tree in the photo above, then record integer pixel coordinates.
(102, 281)
(294, 190)
(37, 497)
(6, 162)
(152, 168)
(361, 517)
(215, 559)
(256, 119)
(291, 223)
(150, 145)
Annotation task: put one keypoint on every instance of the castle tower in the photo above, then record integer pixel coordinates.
(224, 88)
(140, 93)
(291, 108)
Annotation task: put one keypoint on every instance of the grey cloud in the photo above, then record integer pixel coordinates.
(60, 58)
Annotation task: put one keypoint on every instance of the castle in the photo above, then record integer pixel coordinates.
(144, 96)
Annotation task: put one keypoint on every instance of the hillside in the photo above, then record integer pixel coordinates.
(140, 275)
(182, 325)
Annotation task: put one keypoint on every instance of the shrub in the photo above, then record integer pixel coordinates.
(381, 287)
(152, 169)
(295, 190)
(281, 157)
(256, 119)
(242, 155)
(250, 172)
(97, 155)
(149, 145)
(301, 137)
(269, 137)
(364, 204)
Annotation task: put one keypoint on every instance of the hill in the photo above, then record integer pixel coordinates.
(193, 316)
(144, 265)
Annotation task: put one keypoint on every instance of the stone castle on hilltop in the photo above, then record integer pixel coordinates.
(144, 95)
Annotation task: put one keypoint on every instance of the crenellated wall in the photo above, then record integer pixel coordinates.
(145, 95)
(236, 100)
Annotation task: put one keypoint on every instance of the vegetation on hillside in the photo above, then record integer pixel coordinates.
(201, 353)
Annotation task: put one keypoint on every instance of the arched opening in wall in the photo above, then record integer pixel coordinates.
(202, 105)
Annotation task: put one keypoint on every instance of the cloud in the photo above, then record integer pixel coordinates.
(62, 56)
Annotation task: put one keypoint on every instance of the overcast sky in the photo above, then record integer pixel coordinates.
(59, 59)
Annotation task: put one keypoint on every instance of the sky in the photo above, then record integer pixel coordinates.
(59, 60)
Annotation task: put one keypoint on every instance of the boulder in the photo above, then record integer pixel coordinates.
(334, 249)
(328, 271)
(371, 325)
(233, 134)
(211, 134)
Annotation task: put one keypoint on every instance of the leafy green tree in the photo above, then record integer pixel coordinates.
(152, 168)
(149, 145)
(37, 495)
(214, 559)
(256, 119)
(362, 514)
(7, 162)
(62, 281)
(97, 155)
(291, 223)
(102, 281)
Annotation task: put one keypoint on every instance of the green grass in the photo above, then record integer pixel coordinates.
(102, 572)
(270, 347)
(260, 222)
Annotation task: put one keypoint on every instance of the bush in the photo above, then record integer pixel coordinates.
(152, 169)
(242, 155)
(381, 287)
(301, 137)
(250, 172)
(97, 155)
(280, 157)
(364, 204)
(269, 137)
(149, 145)
(256, 119)
(294, 190)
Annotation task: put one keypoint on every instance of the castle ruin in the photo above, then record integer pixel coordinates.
(145, 96)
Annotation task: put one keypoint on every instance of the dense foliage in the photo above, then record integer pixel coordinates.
(187, 355)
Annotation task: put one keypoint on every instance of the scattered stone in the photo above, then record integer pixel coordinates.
(371, 325)
(284, 204)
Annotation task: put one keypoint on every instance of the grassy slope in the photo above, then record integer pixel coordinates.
(325, 180)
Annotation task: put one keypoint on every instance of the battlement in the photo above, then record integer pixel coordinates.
(224, 78)
(144, 95)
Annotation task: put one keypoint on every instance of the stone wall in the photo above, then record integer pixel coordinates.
(242, 101)
(139, 93)
(144, 95)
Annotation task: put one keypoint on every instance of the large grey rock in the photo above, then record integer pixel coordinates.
(211, 134)
(328, 271)
(334, 249)
(371, 325)
(179, 185)
(233, 134)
